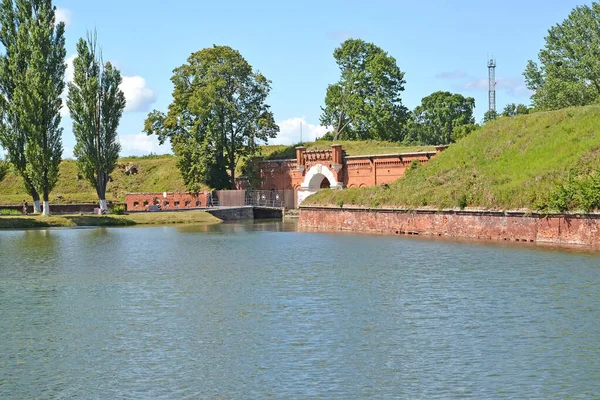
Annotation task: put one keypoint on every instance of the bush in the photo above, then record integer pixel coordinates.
(119, 209)
(462, 202)
(9, 212)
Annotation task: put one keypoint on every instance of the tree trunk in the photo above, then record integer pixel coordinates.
(46, 212)
(101, 189)
(36, 202)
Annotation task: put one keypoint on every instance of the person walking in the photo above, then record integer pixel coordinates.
(25, 205)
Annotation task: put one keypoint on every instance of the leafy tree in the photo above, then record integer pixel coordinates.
(568, 73)
(218, 116)
(14, 36)
(96, 104)
(440, 114)
(463, 131)
(510, 110)
(365, 103)
(35, 85)
(489, 116)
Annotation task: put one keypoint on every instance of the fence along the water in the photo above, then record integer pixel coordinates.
(257, 198)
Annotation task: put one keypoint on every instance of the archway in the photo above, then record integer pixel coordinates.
(318, 177)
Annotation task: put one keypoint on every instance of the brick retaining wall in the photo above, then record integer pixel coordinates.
(580, 229)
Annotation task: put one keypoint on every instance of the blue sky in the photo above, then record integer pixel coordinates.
(439, 44)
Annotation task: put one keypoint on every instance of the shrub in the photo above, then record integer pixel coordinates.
(462, 202)
(9, 212)
(119, 209)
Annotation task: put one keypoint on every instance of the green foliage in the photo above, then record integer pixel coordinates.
(463, 131)
(96, 105)
(578, 192)
(218, 116)
(545, 161)
(365, 103)
(489, 116)
(251, 170)
(568, 73)
(119, 209)
(510, 110)
(9, 212)
(3, 169)
(462, 202)
(32, 81)
(439, 115)
(14, 36)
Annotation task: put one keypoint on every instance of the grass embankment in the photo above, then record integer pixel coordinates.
(160, 174)
(157, 218)
(155, 174)
(542, 161)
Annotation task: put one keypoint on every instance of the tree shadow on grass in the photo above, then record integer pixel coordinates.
(85, 220)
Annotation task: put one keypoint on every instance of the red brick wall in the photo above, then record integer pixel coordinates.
(355, 172)
(173, 201)
(512, 226)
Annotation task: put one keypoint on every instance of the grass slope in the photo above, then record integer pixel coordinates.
(511, 163)
(160, 173)
(155, 174)
(164, 218)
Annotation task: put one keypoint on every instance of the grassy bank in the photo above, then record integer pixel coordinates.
(164, 218)
(542, 161)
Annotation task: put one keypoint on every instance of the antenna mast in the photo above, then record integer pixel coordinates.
(492, 83)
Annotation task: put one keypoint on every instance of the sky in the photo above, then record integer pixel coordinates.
(439, 44)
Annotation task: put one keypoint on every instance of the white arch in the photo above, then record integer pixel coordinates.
(315, 176)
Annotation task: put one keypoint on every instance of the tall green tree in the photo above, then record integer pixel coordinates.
(568, 73)
(218, 116)
(366, 102)
(15, 38)
(36, 61)
(96, 105)
(440, 114)
(39, 97)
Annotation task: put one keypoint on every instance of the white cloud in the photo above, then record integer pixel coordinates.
(290, 131)
(141, 144)
(139, 96)
(64, 15)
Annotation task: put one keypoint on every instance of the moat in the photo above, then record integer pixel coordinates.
(264, 310)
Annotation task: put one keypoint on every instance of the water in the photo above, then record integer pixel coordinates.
(252, 311)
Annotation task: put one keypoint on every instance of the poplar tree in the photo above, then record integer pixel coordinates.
(96, 105)
(14, 36)
(37, 95)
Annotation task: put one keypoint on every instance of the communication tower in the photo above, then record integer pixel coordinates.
(492, 77)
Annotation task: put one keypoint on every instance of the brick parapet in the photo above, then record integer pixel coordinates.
(517, 226)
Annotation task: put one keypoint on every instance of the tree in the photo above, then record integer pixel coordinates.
(440, 114)
(38, 97)
(489, 116)
(510, 110)
(14, 36)
(365, 103)
(218, 116)
(568, 73)
(96, 105)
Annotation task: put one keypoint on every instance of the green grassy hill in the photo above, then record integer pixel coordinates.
(542, 161)
(160, 173)
(155, 174)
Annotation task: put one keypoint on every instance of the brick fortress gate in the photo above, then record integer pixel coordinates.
(317, 169)
(296, 178)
